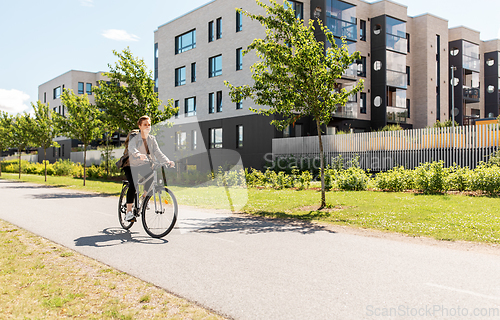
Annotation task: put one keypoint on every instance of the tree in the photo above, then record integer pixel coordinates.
(83, 122)
(295, 77)
(109, 127)
(130, 93)
(44, 129)
(21, 134)
(5, 133)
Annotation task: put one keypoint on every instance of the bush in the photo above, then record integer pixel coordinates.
(431, 177)
(458, 178)
(485, 178)
(63, 167)
(395, 180)
(352, 179)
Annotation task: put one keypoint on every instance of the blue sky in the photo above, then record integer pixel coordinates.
(40, 40)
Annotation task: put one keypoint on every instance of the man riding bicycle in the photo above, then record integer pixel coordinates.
(139, 145)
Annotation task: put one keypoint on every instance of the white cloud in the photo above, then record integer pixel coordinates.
(119, 35)
(87, 3)
(14, 101)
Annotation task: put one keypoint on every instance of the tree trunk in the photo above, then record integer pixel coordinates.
(45, 162)
(84, 164)
(107, 156)
(323, 201)
(19, 163)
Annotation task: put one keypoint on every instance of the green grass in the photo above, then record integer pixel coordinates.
(443, 217)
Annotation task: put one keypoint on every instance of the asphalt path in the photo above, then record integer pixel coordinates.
(247, 267)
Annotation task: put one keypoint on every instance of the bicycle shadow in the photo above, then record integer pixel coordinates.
(115, 236)
(68, 195)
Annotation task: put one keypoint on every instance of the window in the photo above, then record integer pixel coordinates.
(210, 31)
(57, 92)
(211, 102)
(408, 75)
(62, 147)
(362, 30)
(362, 67)
(80, 88)
(407, 42)
(180, 140)
(239, 59)
(215, 66)
(297, 7)
(396, 35)
(89, 89)
(286, 132)
(239, 105)
(490, 62)
(219, 101)
(176, 105)
(341, 19)
(239, 133)
(185, 42)
(377, 65)
(239, 21)
(362, 103)
(219, 28)
(180, 76)
(193, 72)
(194, 139)
(215, 138)
(45, 97)
(408, 107)
(190, 107)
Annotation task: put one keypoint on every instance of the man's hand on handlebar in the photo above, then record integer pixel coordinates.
(170, 164)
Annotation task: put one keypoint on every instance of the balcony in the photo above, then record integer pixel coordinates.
(396, 43)
(397, 115)
(351, 72)
(397, 79)
(350, 111)
(471, 95)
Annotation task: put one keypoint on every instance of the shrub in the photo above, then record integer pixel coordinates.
(352, 179)
(485, 178)
(395, 180)
(63, 167)
(458, 178)
(430, 177)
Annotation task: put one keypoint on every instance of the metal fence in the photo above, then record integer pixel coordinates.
(380, 151)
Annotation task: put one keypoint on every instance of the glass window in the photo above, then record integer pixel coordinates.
(239, 105)
(89, 88)
(471, 56)
(239, 21)
(215, 66)
(219, 28)
(377, 102)
(362, 30)
(362, 67)
(377, 65)
(341, 19)
(351, 45)
(408, 75)
(180, 140)
(396, 27)
(396, 98)
(297, 7)
(210, 31)
(194, 139)
(286, 131)
(407, 42)
(396, 79)
(239, 132)
(396, 62)
(491, 89)
(80, 88)
(396, 43)
(193, 72)
(490, 62)
(239, 59)
(211, 102)
(180, 76)
(57, 92)
(408, 107)
(176, 105)
(185, 42)
(362, 103)
(45, 97)
(219, 101)
(190, 107)
(215, 138)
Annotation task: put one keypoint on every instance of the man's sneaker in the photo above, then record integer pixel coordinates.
(130, 216)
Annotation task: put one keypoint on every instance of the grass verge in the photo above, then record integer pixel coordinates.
(443, 217)
(43, 280)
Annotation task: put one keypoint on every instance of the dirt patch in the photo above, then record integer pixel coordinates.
(317, 208)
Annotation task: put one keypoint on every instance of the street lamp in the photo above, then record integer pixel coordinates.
(453, 68)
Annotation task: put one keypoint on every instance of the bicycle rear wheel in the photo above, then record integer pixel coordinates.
(159, 212)
(122, 209)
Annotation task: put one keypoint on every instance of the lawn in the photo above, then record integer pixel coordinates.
(444, 217)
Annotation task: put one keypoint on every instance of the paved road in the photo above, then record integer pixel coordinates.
(252, 268)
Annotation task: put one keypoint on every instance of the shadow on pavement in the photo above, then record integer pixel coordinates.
(67, 195)
(113, 237)
(255, 225)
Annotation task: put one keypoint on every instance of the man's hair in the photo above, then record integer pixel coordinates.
(141, 119)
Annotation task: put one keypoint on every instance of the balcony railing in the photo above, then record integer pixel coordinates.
(342, 28)
(396, 79)
(396, 43)
(350, 110)
(471, 63)
(471, 94)
(351, 72)
(397, 115)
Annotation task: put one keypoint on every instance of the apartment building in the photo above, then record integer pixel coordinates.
(405, 63)
(81, 82)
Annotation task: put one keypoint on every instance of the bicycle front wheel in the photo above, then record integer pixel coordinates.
(159, 212)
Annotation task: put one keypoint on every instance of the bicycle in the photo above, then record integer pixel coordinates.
(158, 208)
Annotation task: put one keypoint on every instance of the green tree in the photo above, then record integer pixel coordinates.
(44, 129)
(22, 125)
(83, 122)
(5, 133)
(130, 93)
(296, 76)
